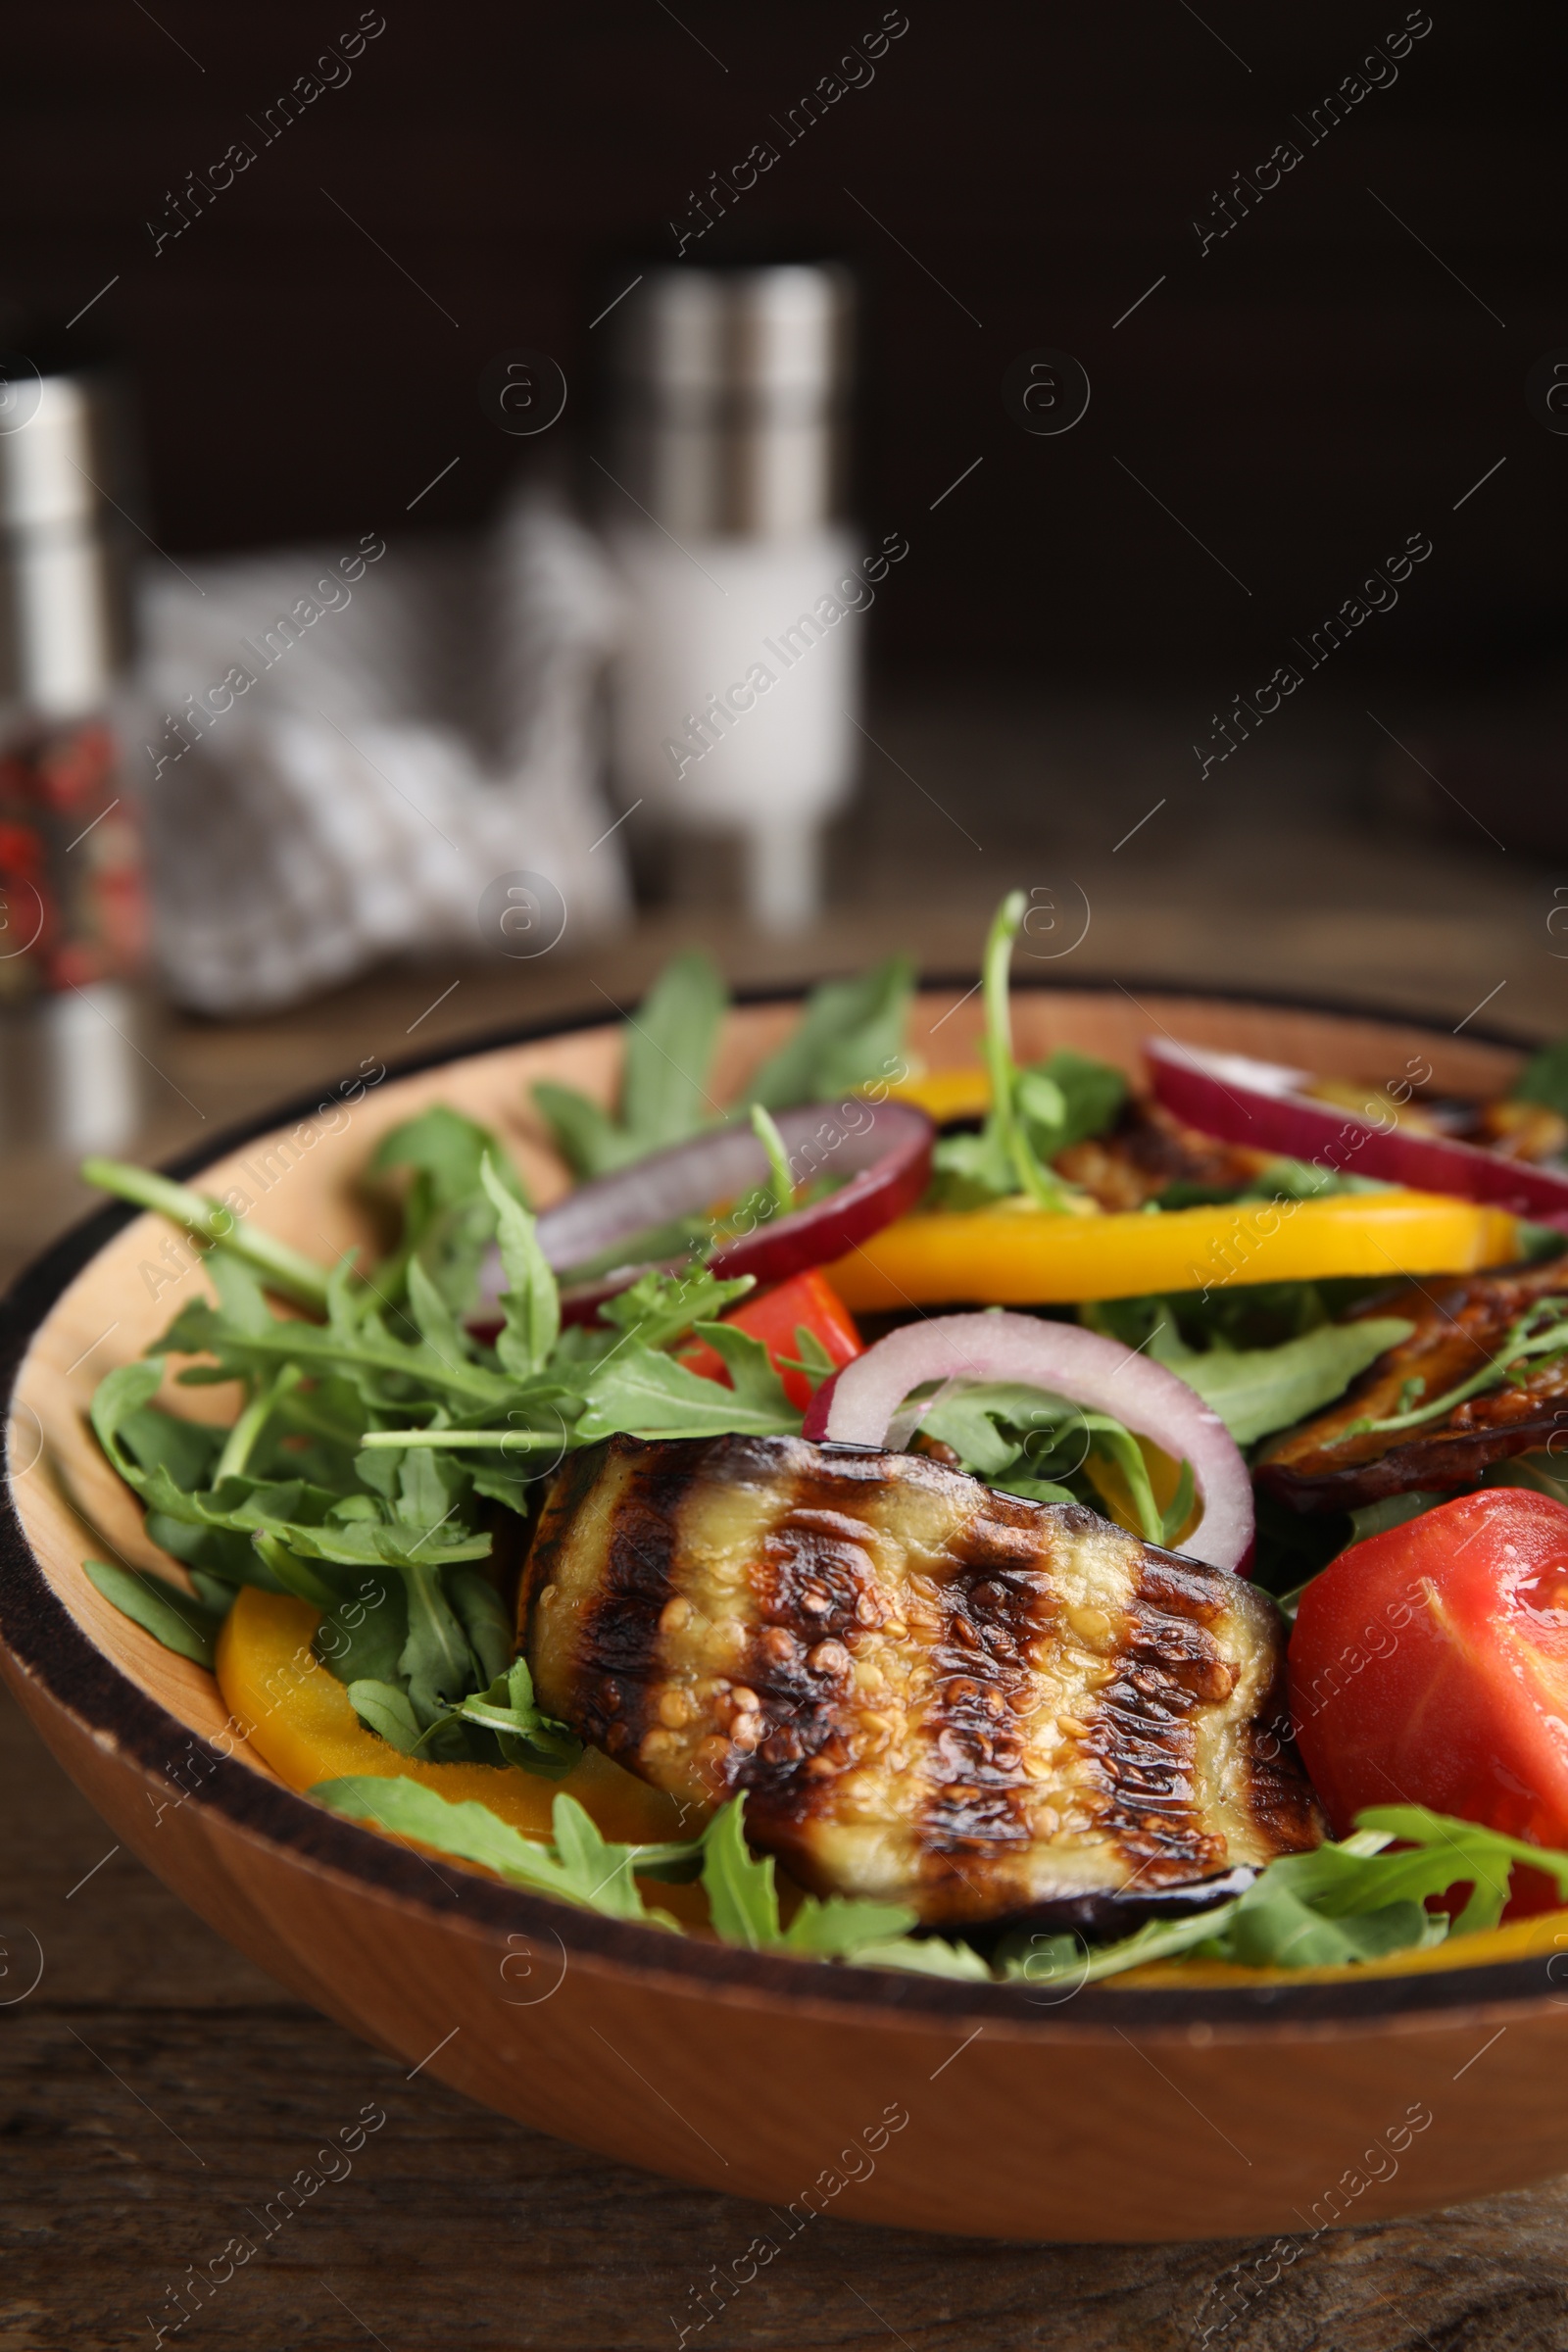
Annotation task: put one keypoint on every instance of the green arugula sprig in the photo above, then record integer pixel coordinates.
(176, 1619)
(581, 1866)
(577, 1866)
(1545, 1078)
(369, 1443)
(286, 1271)
(1352, 1901)
(1539, 1333)
(526, 1734)
(1035, 1113)
(1256, 1391)
(1347, 1904)
(1024, 1440)
(848, 1035)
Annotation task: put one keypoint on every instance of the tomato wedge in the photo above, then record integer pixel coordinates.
(1428, 1666)
(806, 1301)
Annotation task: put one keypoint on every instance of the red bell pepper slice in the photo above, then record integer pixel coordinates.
(807, 1301)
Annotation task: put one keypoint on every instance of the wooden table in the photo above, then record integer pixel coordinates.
(159, 2091)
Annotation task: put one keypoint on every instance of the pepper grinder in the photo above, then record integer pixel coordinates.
(738, 682)
(72, 922)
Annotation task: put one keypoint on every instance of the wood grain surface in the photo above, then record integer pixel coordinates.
(157, 2093)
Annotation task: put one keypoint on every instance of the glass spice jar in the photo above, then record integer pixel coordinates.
(73, 905)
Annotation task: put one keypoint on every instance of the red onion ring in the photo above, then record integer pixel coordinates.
(887, 1158)
(858, 1407)
(1266, 1106)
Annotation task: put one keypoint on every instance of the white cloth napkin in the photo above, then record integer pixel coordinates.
(423, 723)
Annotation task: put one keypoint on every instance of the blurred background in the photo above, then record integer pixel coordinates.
(417, 428)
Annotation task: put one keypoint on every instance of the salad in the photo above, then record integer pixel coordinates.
(1029, 1522)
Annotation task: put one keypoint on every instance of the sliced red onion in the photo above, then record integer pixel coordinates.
(885, 1153)
(1266, 1106)
(857, 1408)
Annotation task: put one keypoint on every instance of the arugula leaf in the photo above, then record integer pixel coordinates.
(1545, 1078)
(1004, 1157)
(590, 1139)
(171, 1617)
(388, 1712)
(925, 1956)
(435, 1663)
(810, 1358)
(385, 1370)
(669, 1048)
(530, 1305)
(1340, 1903)
(1393, 1510)
(1067, 1098)
(160, 1440)
(526, 1734)
(1115, 1449)
(658, 1309)
(362, 1637)
(284, 1270)
(973, 1170)
(742, 1897)
(1469, 1853)
(841, 1929)
(992, 1425)
(578, 1867)
(449, 1150)
(447, 1218)
(252, 1507)
(1025, 1441)
(1257, 1391)
(778, 1199)
(639, 1393)
(663, 1085)
(292, 1575)
(483, 1619)
(848, 1036)
(432, 1313)
(119, 1397)
(743, 1902)
(1179, 1509)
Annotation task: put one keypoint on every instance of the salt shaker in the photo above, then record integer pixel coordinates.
(738, 684)
(73, 924)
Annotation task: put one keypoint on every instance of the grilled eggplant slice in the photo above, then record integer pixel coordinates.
(1146, 1152)
(929, 1693)
(1459, 1329)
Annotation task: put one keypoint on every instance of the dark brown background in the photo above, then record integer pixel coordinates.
(1304, 396)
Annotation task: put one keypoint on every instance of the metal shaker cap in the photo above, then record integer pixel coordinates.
(63, 587)
(730, 390)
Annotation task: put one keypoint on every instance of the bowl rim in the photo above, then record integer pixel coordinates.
(54, 1651)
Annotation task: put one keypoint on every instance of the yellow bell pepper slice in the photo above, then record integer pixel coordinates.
(943, 1094)
(297, 1715)
(1032, 1258)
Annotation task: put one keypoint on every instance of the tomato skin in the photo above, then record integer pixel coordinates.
(771, 1316)
(1428, 1666)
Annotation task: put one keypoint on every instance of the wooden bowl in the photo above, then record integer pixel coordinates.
(1120, 2113)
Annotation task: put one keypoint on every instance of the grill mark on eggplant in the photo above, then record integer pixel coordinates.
(617, 1626)
(816, 1593)
(979, 1798)
(1457, 1330)
(1141, 1743)
(977, 1704)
